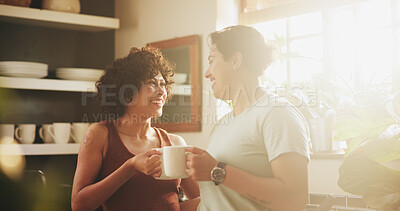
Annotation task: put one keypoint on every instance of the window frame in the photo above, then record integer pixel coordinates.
(326, 58)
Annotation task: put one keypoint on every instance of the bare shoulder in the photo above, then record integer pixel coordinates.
(96, 135)
(177, 140)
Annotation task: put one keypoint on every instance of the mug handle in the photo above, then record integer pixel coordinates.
(17, 134)
(41, 133)
(51, 132)
(72, 136)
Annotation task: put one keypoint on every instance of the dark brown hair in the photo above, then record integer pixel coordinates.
(257, 55)
(124, 77)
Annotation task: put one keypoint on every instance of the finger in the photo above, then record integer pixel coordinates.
(155, 171)
(195, 150)
(148, 170)
(152, 152)
(157, 174)
(191, 174)
(157, 163)
(153, 158)
(189, 156)
(189, 164)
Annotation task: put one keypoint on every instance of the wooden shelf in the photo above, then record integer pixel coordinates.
(39, 149)
(66, 85)
(47, 84)
(328, 155)
(55, 19)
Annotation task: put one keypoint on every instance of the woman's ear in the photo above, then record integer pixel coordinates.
(128, 100)
(237, 60)
(132, 100)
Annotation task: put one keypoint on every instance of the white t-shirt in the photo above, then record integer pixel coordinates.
(250, 141)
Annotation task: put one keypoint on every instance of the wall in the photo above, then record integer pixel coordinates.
(145, 21)
(323, 176)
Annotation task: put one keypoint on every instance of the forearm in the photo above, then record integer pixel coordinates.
(93, 196)
(190, 205)
(269, 192)
(190, 188)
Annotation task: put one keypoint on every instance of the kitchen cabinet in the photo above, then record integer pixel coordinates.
(58, 39)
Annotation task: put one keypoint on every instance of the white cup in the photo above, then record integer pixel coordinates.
(173, 162)
(45, 135)
(25, 133)
(6, 133)
(60, 132)
(78, 131)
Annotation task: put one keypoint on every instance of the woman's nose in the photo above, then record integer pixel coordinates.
(161, 90)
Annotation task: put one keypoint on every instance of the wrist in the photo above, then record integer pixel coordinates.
(218, 173)
(131, 164)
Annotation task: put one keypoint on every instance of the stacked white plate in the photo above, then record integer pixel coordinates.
(81, 74)
(23, 69)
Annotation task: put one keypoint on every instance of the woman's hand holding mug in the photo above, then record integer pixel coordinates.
(148, 163)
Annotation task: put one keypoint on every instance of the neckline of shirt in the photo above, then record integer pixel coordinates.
(266, 95)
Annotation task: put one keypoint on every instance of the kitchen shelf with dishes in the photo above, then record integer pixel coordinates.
(23, 75)
(39, 149)
(29, 75)
(58, 138)
(67, 85)
(55, 19)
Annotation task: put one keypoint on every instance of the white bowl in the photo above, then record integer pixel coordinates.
(180, 78)
(85, 74)
(22, 64)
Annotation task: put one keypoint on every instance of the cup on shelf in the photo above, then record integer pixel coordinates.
(78, 130)
(6, 133)
(60, 132)
(25, 133)
(73, 6)
(45, 135)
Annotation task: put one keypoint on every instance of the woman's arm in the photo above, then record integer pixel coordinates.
(286, 190)
(88, 195)
(190, 205)
(188, 185)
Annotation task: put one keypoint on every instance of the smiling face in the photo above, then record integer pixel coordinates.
(220, 73)
(151, 97)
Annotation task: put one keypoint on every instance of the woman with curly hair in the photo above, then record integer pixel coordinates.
(117, 162)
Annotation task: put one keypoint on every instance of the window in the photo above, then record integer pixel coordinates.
(358, 43)
(254, 5)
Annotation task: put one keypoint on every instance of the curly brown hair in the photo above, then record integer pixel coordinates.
(139, 66)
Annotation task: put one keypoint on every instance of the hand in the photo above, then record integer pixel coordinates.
(148, 163)
(200, 164)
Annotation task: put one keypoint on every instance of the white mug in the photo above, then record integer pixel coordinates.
(173, 162)
(6, 133)
(78, 130)
(25, 133)
(60, 132)
(45, 135)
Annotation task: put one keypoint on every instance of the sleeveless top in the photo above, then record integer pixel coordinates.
(140, 192)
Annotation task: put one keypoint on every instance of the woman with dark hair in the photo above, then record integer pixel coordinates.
(117, 162)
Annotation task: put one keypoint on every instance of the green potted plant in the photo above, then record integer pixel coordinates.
(371, 128)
